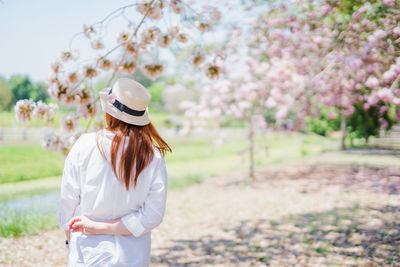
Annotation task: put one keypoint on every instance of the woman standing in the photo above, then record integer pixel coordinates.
(114, 184)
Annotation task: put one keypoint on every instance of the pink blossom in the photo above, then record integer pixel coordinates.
(331, 115)
(176, 6)
(372, 82)
(389, 76)
(385, 94)
(111, 98)
(88, 31)
(69, 123)
(396, 31)
(384, 123)
(383, 109)
(97, 44)
(23, 110)
(389, 2)
(282, 112)
(152, 71)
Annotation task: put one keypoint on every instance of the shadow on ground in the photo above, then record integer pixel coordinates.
(352, 237)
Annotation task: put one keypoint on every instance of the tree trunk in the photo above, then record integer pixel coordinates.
(251, 150)
(343, 130)
(367, 139)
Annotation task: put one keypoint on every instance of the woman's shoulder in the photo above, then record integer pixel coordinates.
(85, 139)
(83, 142)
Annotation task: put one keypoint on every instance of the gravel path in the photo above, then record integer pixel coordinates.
(304, 216)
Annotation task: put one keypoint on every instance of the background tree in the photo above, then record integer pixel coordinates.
(6, 97)
(149, 27)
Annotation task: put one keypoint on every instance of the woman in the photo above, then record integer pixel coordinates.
(114, 183)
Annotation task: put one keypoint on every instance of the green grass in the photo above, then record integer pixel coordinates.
(27, 162)
(13, 224)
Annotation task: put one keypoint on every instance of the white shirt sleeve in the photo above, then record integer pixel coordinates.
(152, 211)
(70, 190)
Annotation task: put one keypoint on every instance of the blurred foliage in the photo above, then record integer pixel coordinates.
(20, 87)
(322, 125)
(23, 88)
(365, 123)
(156, 90)
(6, 97)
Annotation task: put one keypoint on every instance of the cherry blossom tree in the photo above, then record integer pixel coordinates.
(294, 60)
(151, 26)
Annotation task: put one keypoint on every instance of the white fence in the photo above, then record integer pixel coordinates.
(8, 134)
(22, 134)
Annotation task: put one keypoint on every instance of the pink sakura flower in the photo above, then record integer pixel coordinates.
(372, 82)
(388, 2)
(72, 78)
(69, 55)
(203, 26)
(383, 109)
(111, 98)
(132, 48)
(128, 67)
(55, 66)
(153, 11)
(49, 142)
(176, 6)
(89, 71)
(122, 37)
(88, 30)
(215, 14)
(331, 115)
(396, 31)
(156, 12)
(84, 95)
(149, 35)
(384, 123)
(198, 58)
(40, 110)
(87, 110)
(51, 110)
(69, 123)
(213, 71)
(23, 110)
(104, 64)
(164, 40)
(97, 44)
(152, 71)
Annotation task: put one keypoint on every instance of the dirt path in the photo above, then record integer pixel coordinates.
(310, 216)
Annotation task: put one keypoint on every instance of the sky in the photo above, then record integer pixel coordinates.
(33, 33)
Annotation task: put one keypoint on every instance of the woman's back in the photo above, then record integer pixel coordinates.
(89, 178)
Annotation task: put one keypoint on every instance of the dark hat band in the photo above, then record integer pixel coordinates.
(126, 109)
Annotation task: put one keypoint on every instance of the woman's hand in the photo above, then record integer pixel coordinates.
(85, 225)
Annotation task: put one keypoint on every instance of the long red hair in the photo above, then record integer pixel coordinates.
(137, 153)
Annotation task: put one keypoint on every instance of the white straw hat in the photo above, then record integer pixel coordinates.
(127, 101)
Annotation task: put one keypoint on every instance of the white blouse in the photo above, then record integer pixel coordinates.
(90, 188)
